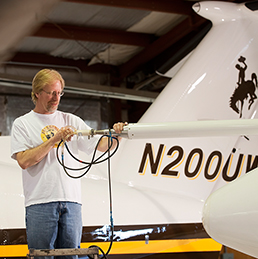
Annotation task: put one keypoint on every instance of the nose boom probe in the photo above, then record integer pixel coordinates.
(181, 129)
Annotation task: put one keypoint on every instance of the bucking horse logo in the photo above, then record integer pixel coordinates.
(244, 89)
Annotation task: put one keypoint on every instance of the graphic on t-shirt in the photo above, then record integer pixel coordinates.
(48, 132)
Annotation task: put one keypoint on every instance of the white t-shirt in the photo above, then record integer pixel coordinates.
(46, 181)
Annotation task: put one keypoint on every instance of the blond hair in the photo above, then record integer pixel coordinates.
(42, 78)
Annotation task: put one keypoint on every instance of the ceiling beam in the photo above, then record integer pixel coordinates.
(71, 32)
(168, 6)
(44, 60)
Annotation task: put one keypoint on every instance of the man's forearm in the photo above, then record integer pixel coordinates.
(33, 156)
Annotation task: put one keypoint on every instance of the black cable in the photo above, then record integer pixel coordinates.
(110, 200)
(88, 164)
(87, 167)
(110, 210)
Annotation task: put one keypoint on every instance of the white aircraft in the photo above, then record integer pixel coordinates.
(160, 182)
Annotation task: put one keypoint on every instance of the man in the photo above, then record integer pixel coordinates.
(52, 199)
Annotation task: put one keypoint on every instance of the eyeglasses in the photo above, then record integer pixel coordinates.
(54, 93)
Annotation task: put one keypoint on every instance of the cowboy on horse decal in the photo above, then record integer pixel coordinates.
(244, 89)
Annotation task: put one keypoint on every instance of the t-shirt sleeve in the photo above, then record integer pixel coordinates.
(20, 140)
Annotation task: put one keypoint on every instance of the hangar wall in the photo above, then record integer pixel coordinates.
(93, 112)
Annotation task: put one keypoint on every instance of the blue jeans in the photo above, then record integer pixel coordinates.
(54, 225)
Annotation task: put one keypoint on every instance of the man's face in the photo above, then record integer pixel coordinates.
(49, 98)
